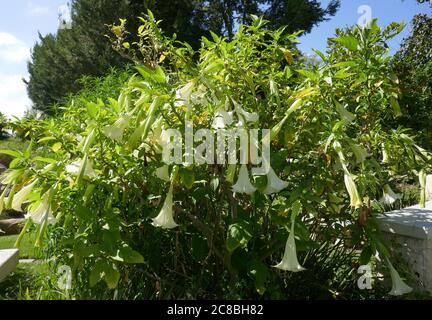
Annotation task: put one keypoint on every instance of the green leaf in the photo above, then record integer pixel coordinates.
(92, 109)
(342, 74)
(260, 273)
(366, 255)
(56, 147)
(46, 160)
(239, 235)
(97, 272)
(112, 276)
(187, 178)
(308, 74)
(16, 154)
(396, 107)
(348, 42)
(128, 255)
(46, 139)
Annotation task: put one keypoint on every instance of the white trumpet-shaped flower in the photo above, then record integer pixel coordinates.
(274, 183)
(162, 173)
(115, 131)
(22, 196)
(243, 184)
(389, 196)
(157, 129)
(42, 212)
(222, 119)
(289, 261)
(183, 94)
(165, 218)
(74, 168)
(385, 156)
(398, 286)
(2, 200)
(351, 187)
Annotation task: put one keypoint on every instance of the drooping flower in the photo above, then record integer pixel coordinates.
(222, 119)
(290, 261)
(399, 287)
(162, 173)
(115, 131)
(2, 199)
(243, 184)
(351, 187)
(274, 183)
(385, 156)
(389, 197)
(22, 196)
(75, 167)
(43, 211)
(183, 94)
(165, 218)
(157, 129)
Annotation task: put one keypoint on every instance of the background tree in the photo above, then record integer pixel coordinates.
(413, 64)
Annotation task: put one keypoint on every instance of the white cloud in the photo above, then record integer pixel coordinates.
(13, 95)
(12, 49)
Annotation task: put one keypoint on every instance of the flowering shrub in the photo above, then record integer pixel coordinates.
(112, 209)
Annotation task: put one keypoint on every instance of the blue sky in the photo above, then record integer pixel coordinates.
(21, 20)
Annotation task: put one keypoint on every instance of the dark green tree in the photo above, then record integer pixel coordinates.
(413, 64)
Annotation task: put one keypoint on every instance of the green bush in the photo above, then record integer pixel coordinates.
(103, 199)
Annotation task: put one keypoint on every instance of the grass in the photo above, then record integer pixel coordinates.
(27, 248)
(30, 281)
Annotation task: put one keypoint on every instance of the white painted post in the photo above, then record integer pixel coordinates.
(9, 259)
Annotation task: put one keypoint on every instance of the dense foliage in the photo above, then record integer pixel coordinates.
(108, 206)
(59, 60)
(413, 64)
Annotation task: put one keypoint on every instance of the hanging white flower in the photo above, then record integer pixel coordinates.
(290, 261)
(165, 218)
(389, 197)
(243, 184)
(115, 131)
(22, 196)
(42, 212)
(2, 199)
(183, 94)
(222, 119)
(351, 187)
(274, 183)
(385, 156)
(398, 286)
(162, 173)
(75, 167)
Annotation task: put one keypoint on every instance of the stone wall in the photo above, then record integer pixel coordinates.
(409, 232)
